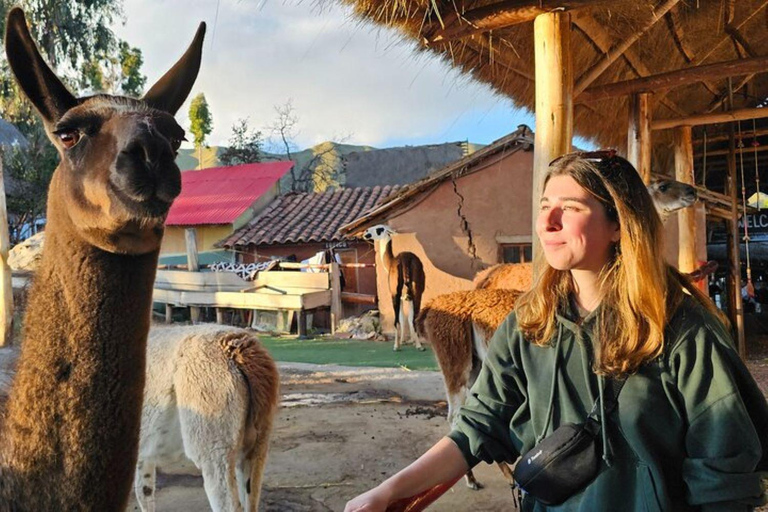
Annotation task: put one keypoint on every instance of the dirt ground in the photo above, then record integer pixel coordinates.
(339, 432)
(342, 430)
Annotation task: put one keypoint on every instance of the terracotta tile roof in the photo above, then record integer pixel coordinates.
(220, 195)
(308, 217)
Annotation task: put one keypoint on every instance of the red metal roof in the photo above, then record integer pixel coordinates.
(219, 195)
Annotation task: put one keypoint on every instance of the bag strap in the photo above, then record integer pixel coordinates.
(612, 400)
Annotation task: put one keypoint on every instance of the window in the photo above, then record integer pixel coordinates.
(515, 253)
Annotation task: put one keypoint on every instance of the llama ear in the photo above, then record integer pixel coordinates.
(43, 88)
(170, 92)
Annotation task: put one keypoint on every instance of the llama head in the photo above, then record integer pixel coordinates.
(378, 232)
(669, 195)
(117, 176)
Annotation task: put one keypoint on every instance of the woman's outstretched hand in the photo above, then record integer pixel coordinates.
(375, 500)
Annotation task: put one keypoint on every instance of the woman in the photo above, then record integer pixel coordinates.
(690, 428)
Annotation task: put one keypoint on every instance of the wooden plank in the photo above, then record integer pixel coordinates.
(639, 135)
(686, 256)
(6, 277)
(554, 96)
(201, 281)
(604, 63)
(190, 237)
(496, 16)
(722, 117)
(677, 78)
(277, 279)
(358, 298)
(243, 300)
(735, 306)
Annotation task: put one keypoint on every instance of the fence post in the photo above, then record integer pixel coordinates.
(335, 296)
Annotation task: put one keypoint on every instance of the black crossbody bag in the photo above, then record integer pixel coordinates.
(568, 459)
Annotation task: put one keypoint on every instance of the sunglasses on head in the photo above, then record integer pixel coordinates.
(596, 156)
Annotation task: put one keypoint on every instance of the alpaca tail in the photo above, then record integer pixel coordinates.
(263, 380)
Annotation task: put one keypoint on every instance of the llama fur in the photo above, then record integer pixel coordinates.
(211, 396)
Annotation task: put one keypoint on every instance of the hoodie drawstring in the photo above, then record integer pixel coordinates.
(552, 387)
(603, 421)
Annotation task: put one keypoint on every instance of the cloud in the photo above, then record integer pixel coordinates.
(343, 76)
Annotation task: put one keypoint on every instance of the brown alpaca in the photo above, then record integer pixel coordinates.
(71, 429)
(459, 326)
(405, 273)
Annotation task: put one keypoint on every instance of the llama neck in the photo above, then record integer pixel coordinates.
(70, 436)
(386, 254)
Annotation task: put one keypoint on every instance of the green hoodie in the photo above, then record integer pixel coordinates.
(688, 433)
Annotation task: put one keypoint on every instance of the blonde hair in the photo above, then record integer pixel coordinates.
(640, 290)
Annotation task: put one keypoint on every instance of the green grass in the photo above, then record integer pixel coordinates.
(348, 353)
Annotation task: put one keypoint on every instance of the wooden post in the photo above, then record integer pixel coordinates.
(554, 97)
(335, 296)
(735, 306)
(686, 219)
(301, 324)
(219, 316)
(639, 136)
(190, 236)
(6, 285)
(168, 314)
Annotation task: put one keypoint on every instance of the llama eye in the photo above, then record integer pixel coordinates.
(69, 138)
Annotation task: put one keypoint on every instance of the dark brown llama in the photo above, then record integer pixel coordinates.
(405, 274)
(71, 429)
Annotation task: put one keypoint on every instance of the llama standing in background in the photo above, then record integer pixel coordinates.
(71, 428)
(211, 396)
(405, 277)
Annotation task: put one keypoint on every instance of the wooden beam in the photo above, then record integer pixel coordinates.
(745, 150)
(554, 95)
(725, 38)
(336, 308)
(496, 16)
(686, 256)
(6, 284)
(721, 117)
(587, 78)
(720, 138)
(677, 78)
(604, 41)
(639, 135)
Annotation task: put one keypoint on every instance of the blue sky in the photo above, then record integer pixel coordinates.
(346, 79)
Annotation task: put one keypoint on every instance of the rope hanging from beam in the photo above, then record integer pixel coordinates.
(749, 285)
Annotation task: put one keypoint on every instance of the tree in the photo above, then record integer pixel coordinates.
(321, 170)
(75, 37)
(27, 171)
(201, 122)
(244, 145)
(115, 75)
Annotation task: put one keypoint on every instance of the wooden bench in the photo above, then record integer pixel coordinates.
(271, 291)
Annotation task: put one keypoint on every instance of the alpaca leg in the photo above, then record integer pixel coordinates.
(400, 328)
(144, 485)
(412, 330)
(507, 472)
(220, 482)
(253, 470)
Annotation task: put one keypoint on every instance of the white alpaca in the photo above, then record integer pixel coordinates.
(459, 325)
(210, 396)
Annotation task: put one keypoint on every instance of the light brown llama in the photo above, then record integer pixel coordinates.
(71, 429)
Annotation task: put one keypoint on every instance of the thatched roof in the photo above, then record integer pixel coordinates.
(691, 33)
